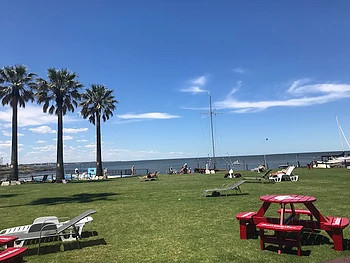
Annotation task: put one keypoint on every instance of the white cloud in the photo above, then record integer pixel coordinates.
(201, 81)
(150, 115)
(239, 70)
(67, 137)
(40, 141)
(42, 129)
(194, 90)
(125, 154)
(82, 140)
(321, 93)
(5, 144)
(196, 85)
(46, 148)
(9, 134)
(31, 116)
(92, 145)
(73, 130)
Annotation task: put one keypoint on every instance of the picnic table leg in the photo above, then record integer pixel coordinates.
(263, 209)
(283, 206)
(246, 229)
(262, 243)
(314, 211)
(279, 238)
(299, 243)
(337, 236)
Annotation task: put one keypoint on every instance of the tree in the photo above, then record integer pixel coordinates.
(16, 85)
(58, 95)
(98, 102)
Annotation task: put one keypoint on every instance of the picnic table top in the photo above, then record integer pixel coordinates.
(287, 199)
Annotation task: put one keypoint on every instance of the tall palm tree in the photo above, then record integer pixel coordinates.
(98, 102)
(59, 94)
(16, 85)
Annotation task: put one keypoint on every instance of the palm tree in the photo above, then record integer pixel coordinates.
(98, 102)
(59, 94)
(16, 86)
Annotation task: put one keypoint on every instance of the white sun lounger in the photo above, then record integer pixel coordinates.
(287, 174)
(50, 226)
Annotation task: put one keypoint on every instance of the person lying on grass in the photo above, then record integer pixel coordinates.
(149, 175)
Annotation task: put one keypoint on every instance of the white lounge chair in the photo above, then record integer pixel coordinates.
(287, 174)
(50, 226)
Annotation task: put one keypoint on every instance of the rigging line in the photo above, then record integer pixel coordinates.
(340, 128)
(340, 138)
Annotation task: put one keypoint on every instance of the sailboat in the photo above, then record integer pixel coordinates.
(335, 160)
(212, 160)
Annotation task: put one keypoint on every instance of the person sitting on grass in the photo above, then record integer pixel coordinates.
(184, 169)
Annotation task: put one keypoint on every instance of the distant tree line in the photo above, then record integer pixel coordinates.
(59, 93)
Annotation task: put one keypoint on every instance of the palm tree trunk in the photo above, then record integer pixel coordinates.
(59, 167)
(14, 150)
(99, 171)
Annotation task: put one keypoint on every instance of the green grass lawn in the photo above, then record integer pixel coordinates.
(169, 220)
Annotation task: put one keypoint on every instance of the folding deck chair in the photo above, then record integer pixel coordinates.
(51, 230)
(233, 187)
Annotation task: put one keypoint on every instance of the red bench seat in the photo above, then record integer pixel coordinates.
(297, 211)
(7, 240)
(12, 254)
(282, 228)
(247, 227)
(334, 227)
(278, 238)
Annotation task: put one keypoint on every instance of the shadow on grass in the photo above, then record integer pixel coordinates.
(77, 198)
(224, 195)
(56, 248)
(7, 195)
(311, 239)
(288, 250)
(346, 244)
(64, 246)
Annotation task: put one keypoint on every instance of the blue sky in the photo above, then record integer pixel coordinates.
(275, 69)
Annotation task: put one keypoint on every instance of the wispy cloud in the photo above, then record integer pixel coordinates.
(9, 134)
(239, 70)
(302, 95)
(73, 130)
(40, 141)
(42, 129)
(82, 140)
(193, 90)
(31, 116)
(46, 148)
(201, 81)
(5, 144)
(196, 85)
(149, 116)
(67, 137)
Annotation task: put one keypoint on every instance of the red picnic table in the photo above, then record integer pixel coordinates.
(11, 253)
(7, 241)
(289, 220)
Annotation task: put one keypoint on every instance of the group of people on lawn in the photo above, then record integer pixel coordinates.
(184, 170)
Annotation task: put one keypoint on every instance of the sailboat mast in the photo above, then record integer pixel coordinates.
(212, 130)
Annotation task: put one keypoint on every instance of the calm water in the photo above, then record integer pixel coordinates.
(245, 162)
